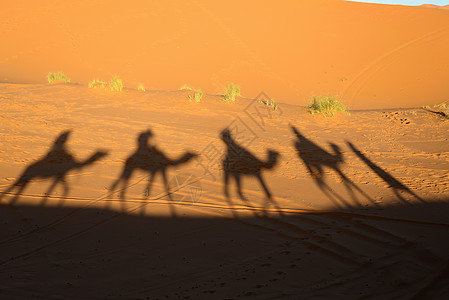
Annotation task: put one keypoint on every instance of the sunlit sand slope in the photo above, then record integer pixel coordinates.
(372, 56)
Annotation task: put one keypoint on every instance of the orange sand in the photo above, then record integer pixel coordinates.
(372, 56)
(378, 228)
(349, 207)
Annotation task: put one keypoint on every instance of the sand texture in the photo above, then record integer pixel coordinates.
(356, 205)
(151, 195)
(373, 56)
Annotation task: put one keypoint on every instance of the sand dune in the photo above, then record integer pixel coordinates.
(435, 6)
(150, 195)
(372, 56)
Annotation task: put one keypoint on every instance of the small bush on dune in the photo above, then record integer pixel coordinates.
(271, 103)
(116, 84)
(231, 91)
(441, 105)
(197, 93)
(327, 105)
(186, 87)
(98, 83)
(442, 108)
(197, 96)
(141, 87)
(57, 76)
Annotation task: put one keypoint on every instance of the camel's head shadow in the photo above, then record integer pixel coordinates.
(186, 157)
(97, 156)
(273, 158)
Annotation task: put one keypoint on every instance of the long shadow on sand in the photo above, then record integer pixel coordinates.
(239, 162)
(398, 252)
(397, 186)
(150, 159)
(54, 165)
(317, 159)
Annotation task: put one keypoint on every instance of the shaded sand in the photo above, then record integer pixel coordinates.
(372, 56)
(363, 199)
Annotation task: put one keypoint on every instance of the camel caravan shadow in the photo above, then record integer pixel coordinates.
(55, 165)
(151, 160)
(238, 162)
(317, 160)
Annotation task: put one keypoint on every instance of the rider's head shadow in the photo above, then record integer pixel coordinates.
(143, 138)
(317, 160)
(238, 162)
(61, 140)
(55, 165)
(151, 160)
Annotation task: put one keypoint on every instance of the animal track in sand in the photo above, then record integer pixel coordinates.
(395, 117)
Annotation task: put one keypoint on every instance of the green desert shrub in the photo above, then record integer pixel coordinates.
(327, 105)
(116, 84)
(231, 91)
(197, 95)
(57, 76)
(97, 83)
(141, 87)
(271, 103)
(443, 108)
(441, 105)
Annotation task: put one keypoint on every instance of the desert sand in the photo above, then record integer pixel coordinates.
(147, 195)
(372, 55)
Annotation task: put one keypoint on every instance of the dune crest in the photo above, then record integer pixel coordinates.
(373, 56)
(435, 6)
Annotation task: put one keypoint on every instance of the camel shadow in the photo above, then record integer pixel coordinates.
(239, 162)
(317, 159)
(150, 159)
(393, 183)
(55, 164)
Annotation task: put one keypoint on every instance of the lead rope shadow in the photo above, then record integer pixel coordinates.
(316, 159)
(393, 183)
(240, 162)
(150, 159)
(55, 164)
